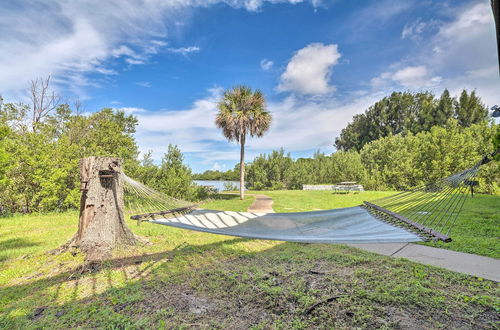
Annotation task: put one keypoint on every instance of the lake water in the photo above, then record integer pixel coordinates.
(217, 184)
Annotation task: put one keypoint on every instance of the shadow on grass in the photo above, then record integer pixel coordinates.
(222, 284)
(10, 293)
(345, 192)
(226, 196)
(12, 244)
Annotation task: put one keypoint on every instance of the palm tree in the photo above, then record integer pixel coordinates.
(242, 112)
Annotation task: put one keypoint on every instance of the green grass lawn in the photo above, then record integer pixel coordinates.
(228, 202)
(310, 200)
(190, 279)
(477, 229)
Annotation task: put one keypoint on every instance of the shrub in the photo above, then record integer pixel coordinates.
(229, 186)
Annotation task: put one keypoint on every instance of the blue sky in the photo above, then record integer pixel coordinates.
(318, 62)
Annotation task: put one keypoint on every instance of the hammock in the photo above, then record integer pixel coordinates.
(422, 214)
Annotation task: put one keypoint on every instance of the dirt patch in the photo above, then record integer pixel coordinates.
(405, 320)
(196, 309)
(262, 204)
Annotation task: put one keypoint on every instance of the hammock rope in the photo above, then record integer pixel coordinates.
(433, 207)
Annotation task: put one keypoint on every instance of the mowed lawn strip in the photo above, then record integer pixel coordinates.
(192, 279)
(229, 202)
(310, 200)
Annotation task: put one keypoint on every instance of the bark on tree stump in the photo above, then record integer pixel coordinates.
(101, 224)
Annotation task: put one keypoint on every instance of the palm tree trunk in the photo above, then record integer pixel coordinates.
(242, 167)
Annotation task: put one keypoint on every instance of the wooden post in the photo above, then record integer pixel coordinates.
(101, 225)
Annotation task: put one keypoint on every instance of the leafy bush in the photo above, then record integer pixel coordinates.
(496, 142)
(199, 193)
(229, 186)
(404, 162)
(279, 171)
(230, 175)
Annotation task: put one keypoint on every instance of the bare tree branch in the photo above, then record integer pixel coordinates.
(79, 107)
(43, 99)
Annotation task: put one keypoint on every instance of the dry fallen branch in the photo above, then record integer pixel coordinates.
(322, 302)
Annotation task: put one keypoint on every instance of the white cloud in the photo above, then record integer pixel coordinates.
(386, 9)
(414, 76)
(468, 56)
(145, 84)
(266, 64)
(132, 110)
(460, 54)
(416, 29)
(158, 43)
(309, 70)
(22, 61)
(381, 81)
(193, 129)
(184, 50)
(71, 40)
(134, 61)
(305, 124)
(473, 17)
(218, 167)
(122, 50)
(378, 13)
(468, 42)
(255, 5)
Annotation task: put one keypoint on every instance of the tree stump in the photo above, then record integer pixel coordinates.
(101, 224)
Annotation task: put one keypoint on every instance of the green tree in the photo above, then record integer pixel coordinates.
(174, 177)
(45, 141)
(270, 171)
(301, 173)
(242, 112)
(4, 157)
(278, 170)
(346, 166)
(444, 110)
(355, 135)
(46, 175)
(146, 170)
(496, 142)
(231, 175)
(392, 115)
(390, 163)
(4, 130)
(257, 176)
(402, 113)
(470, 110)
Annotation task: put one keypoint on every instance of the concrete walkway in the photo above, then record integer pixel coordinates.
(262, 204)
(467, 263)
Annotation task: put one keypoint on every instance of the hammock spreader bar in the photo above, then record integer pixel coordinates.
(437, 235)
